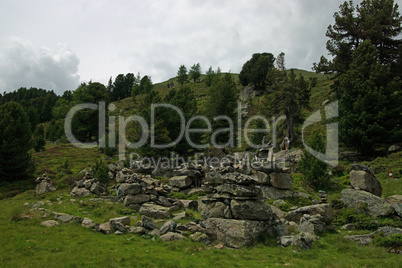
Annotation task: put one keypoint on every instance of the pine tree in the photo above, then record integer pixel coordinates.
(182, 75)
(15, 142)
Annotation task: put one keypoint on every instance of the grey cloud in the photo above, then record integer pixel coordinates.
(22, 65)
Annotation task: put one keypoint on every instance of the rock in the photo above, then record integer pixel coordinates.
(168, 226)
(87, 223)
(191, 204)
(394, 199)
(44, 187)
(367, 238)
(80, 192)
(279, 213)
(251, 210)
(285, 241)
(234, 233)
(163, 201)
(365, 181)
(200, 237)
(304, 240)
(136, 199)
(281, 180)
(137, 230)
(124, 175)
(394, 148)
(213, 178)
(148, 223)
(49, 223)
(180, 216)
(371, 204)
(181, 181)
(325, 210)
(279, 203)
(64, 218)
(213, 210)
(195, 191)
(125, 220)
(105, 228)
(263, 178)
(155, 211)
(238, 178)
(98, 189)
(118, 226)
(239, 190)
(128, 189)
(275, 193)
(170, 236)
(311, 224)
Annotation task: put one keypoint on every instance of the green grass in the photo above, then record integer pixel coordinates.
(25, 243)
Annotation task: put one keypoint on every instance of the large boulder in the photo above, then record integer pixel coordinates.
(155, 211)
(251, 210)
(281, 180)
(325, 210)
(366, 181)
(239, 190)
(239, 178)
(181, 181)
(80, 192)
(235, 233)
(396, 203)
(124, 175)
(170, 236)
(369, 203)
(136, 199)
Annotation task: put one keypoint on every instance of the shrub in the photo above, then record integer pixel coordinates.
(388, 242)
(101, 172)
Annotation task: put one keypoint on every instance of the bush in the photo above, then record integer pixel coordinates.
(388, 242)
(101, 172)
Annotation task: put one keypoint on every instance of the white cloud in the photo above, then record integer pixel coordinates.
(22, 65)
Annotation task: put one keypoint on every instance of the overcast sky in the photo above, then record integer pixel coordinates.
(56, 44)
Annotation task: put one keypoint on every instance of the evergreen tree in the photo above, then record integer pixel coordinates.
(195, 72)
(182, 75)
(38, 138)
(222, 102)
(256, 69)
(370, 102)
(314, 170)
(15, 142)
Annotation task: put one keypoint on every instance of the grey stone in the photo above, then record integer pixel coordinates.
(325, 210)
(148, 223)
(170, 236)
(118, 226)
(181, 181)
(349, 226)
(87, 223)
(251, 210)
(49, 223)
(279, 213)
(64, 218)
(275, 193)
(239, 190)
(263, 178)
(136, 199)
(128, 189)
(281, 180)
(80, 192)
(155, 211)
(137, 230)
(154, 232)
(394, 199)
(98, 189)
(238, 178)
(213, 178)
(200, 237)
(375, 206)
(213, 210)
(365, 181)
(235, 233)
(125, 220)
(124, 175)
(164, 201)
(44, 187)
(168, 226)
(304, 240)
(105, 228)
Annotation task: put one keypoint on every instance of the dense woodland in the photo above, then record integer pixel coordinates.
(366, 66)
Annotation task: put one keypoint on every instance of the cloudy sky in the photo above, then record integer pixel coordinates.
(56, 44)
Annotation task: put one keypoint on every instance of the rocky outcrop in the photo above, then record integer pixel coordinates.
(366, 202)
(366, 239)
(89, 185)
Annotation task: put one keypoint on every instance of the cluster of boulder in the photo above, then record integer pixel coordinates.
(89, 186)
(365, 193)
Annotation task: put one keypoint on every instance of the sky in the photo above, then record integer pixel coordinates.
(57, 44)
